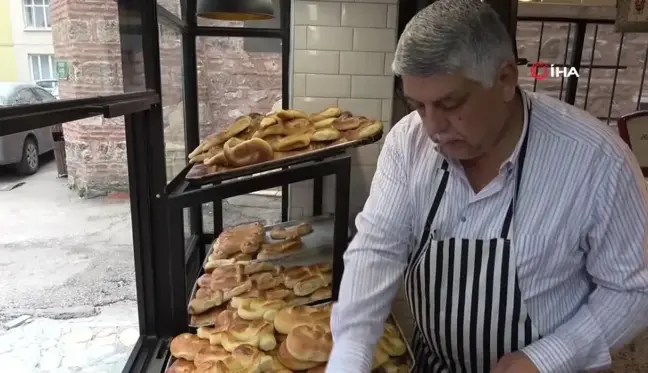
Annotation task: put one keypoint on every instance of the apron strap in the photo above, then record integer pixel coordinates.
(506, 228)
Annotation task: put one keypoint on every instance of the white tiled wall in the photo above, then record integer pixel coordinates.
(342, 56)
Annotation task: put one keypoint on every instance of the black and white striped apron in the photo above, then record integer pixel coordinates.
(464, 296)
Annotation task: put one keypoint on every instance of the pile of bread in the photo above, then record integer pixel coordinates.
(230, 285)
(248, 241)
(265, 338)
(256, 138)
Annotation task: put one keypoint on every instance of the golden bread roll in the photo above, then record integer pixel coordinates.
(269, 121)
(257, 333)
(294, 316)
(292, 276)
(217, 159)
(391, 341)
(326, 134)
(259, 309)
(347, 124)
(186, 346)
(324, 123)
(240, 124)
(271, 250)
(369, 129)
(277, 129)
(380, 357)
(321, 294)
(243, 257)
(279, 292)
(205, 299)
(252, 268)
(206, 155)
(310, 343)
(345, 115)
(181, 366)
(226, 282)
(318, 369)
(298, 126)
(244, 238)
(311, 284)
(331, 112)
(391, 367)
(244, 359)
(266, 280)
(294, 300)
(213, 262)
(241, 153)
(207, 318)
(210, 353)
(290, 362)
(282, 233)
(293, 142)
(291, 114)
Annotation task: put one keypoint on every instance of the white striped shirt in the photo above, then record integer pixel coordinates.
(579, 235)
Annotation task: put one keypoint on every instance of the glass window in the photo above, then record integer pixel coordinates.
(173, 6)
(25, 96)
(41, 67)
(37, 14)
(42, 95)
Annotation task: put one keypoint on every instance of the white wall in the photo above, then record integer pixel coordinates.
(26, 41)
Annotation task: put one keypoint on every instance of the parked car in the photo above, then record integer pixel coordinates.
(50, 85)
(24, 148)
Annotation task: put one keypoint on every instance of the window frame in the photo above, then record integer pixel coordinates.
(29, 19)
(30, 61)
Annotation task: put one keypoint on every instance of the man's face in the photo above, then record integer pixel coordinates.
(463, 117)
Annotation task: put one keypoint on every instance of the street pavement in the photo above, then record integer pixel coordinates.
(67, 282)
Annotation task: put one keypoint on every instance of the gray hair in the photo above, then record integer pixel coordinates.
(454, 36)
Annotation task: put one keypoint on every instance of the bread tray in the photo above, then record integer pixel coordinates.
(317, 246)
(199, 174)
(392, 319)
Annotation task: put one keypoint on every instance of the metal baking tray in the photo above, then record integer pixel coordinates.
(392, 319)
(198, 174)
(317, 246)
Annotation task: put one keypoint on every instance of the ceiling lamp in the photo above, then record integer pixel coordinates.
(235, 10)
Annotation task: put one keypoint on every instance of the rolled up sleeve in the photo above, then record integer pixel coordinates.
(374, 263)
(617, 308)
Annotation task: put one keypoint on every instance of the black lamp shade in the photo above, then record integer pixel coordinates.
(235, 10)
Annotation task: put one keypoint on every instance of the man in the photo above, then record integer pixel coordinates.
(517, 221)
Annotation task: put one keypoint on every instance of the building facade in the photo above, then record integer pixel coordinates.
(9, 70)
(31, 38)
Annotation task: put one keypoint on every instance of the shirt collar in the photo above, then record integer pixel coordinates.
(507, 165)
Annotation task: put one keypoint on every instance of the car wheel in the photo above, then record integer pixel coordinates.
(29, 163)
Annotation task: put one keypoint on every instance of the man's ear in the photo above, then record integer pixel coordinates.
(508, 80)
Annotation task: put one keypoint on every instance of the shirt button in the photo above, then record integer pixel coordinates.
(463, 219)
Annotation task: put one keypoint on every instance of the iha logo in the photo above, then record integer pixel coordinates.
(543, 70)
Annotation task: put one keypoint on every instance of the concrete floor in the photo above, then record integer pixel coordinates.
(67, 280)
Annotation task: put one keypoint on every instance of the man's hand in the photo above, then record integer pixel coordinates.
(515, 362)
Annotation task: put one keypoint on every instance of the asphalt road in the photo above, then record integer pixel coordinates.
(61, 256)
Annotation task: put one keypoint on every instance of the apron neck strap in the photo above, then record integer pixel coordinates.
(506, 228)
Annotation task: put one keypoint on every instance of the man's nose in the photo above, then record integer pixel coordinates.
(435, 120)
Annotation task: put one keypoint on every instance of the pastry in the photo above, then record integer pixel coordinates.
(326, 134)
(311, 284)
(380, 357)
(318, 369)
(291, 114)
(271, 250)
(207, 318)
(181, 366)
(257, 333)
(205, 299)
(245, 238)
(293, 142)
(290, 362)
(241, 153)
(259, 309)
(210, 353)
(347, 123)
(294, 316)
(310, 343)
(282, 233)
(321, 294)
(293, 276)
(186, 346)
(331, 112)
(244, 359)
(324, 123)
(298, 126)
(269, 121)
(266, 280)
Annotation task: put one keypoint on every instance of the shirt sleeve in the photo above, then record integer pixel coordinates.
(374, 263)
(616, 260)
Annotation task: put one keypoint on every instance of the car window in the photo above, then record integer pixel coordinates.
(25, 96)
(42, 95)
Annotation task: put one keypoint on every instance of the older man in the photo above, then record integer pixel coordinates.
(518, 222)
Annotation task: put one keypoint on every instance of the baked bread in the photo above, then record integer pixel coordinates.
(205, 299)
(326, 134)
(310, 343)
(283, 233)
(252, 268)
(330, 112)
(290, 362)
(294, 300)
(266, 280)
(244, 238)
(257, 333)
(321, 294)
(210, 353)
(259, 309)
(241, 153)
(181, 366)
(391, 342)
(293, 142)
(291, 114)
(324, 123)
(186, 346)
(266, 133)
(312, 284)
(298, 126)
(391, 367)
(269, 121)
(318, 369)
(293, 316)
(295, 275)
(244, 359)
(207, 318)
(347, 124)
(271, 250)
(380, 357)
